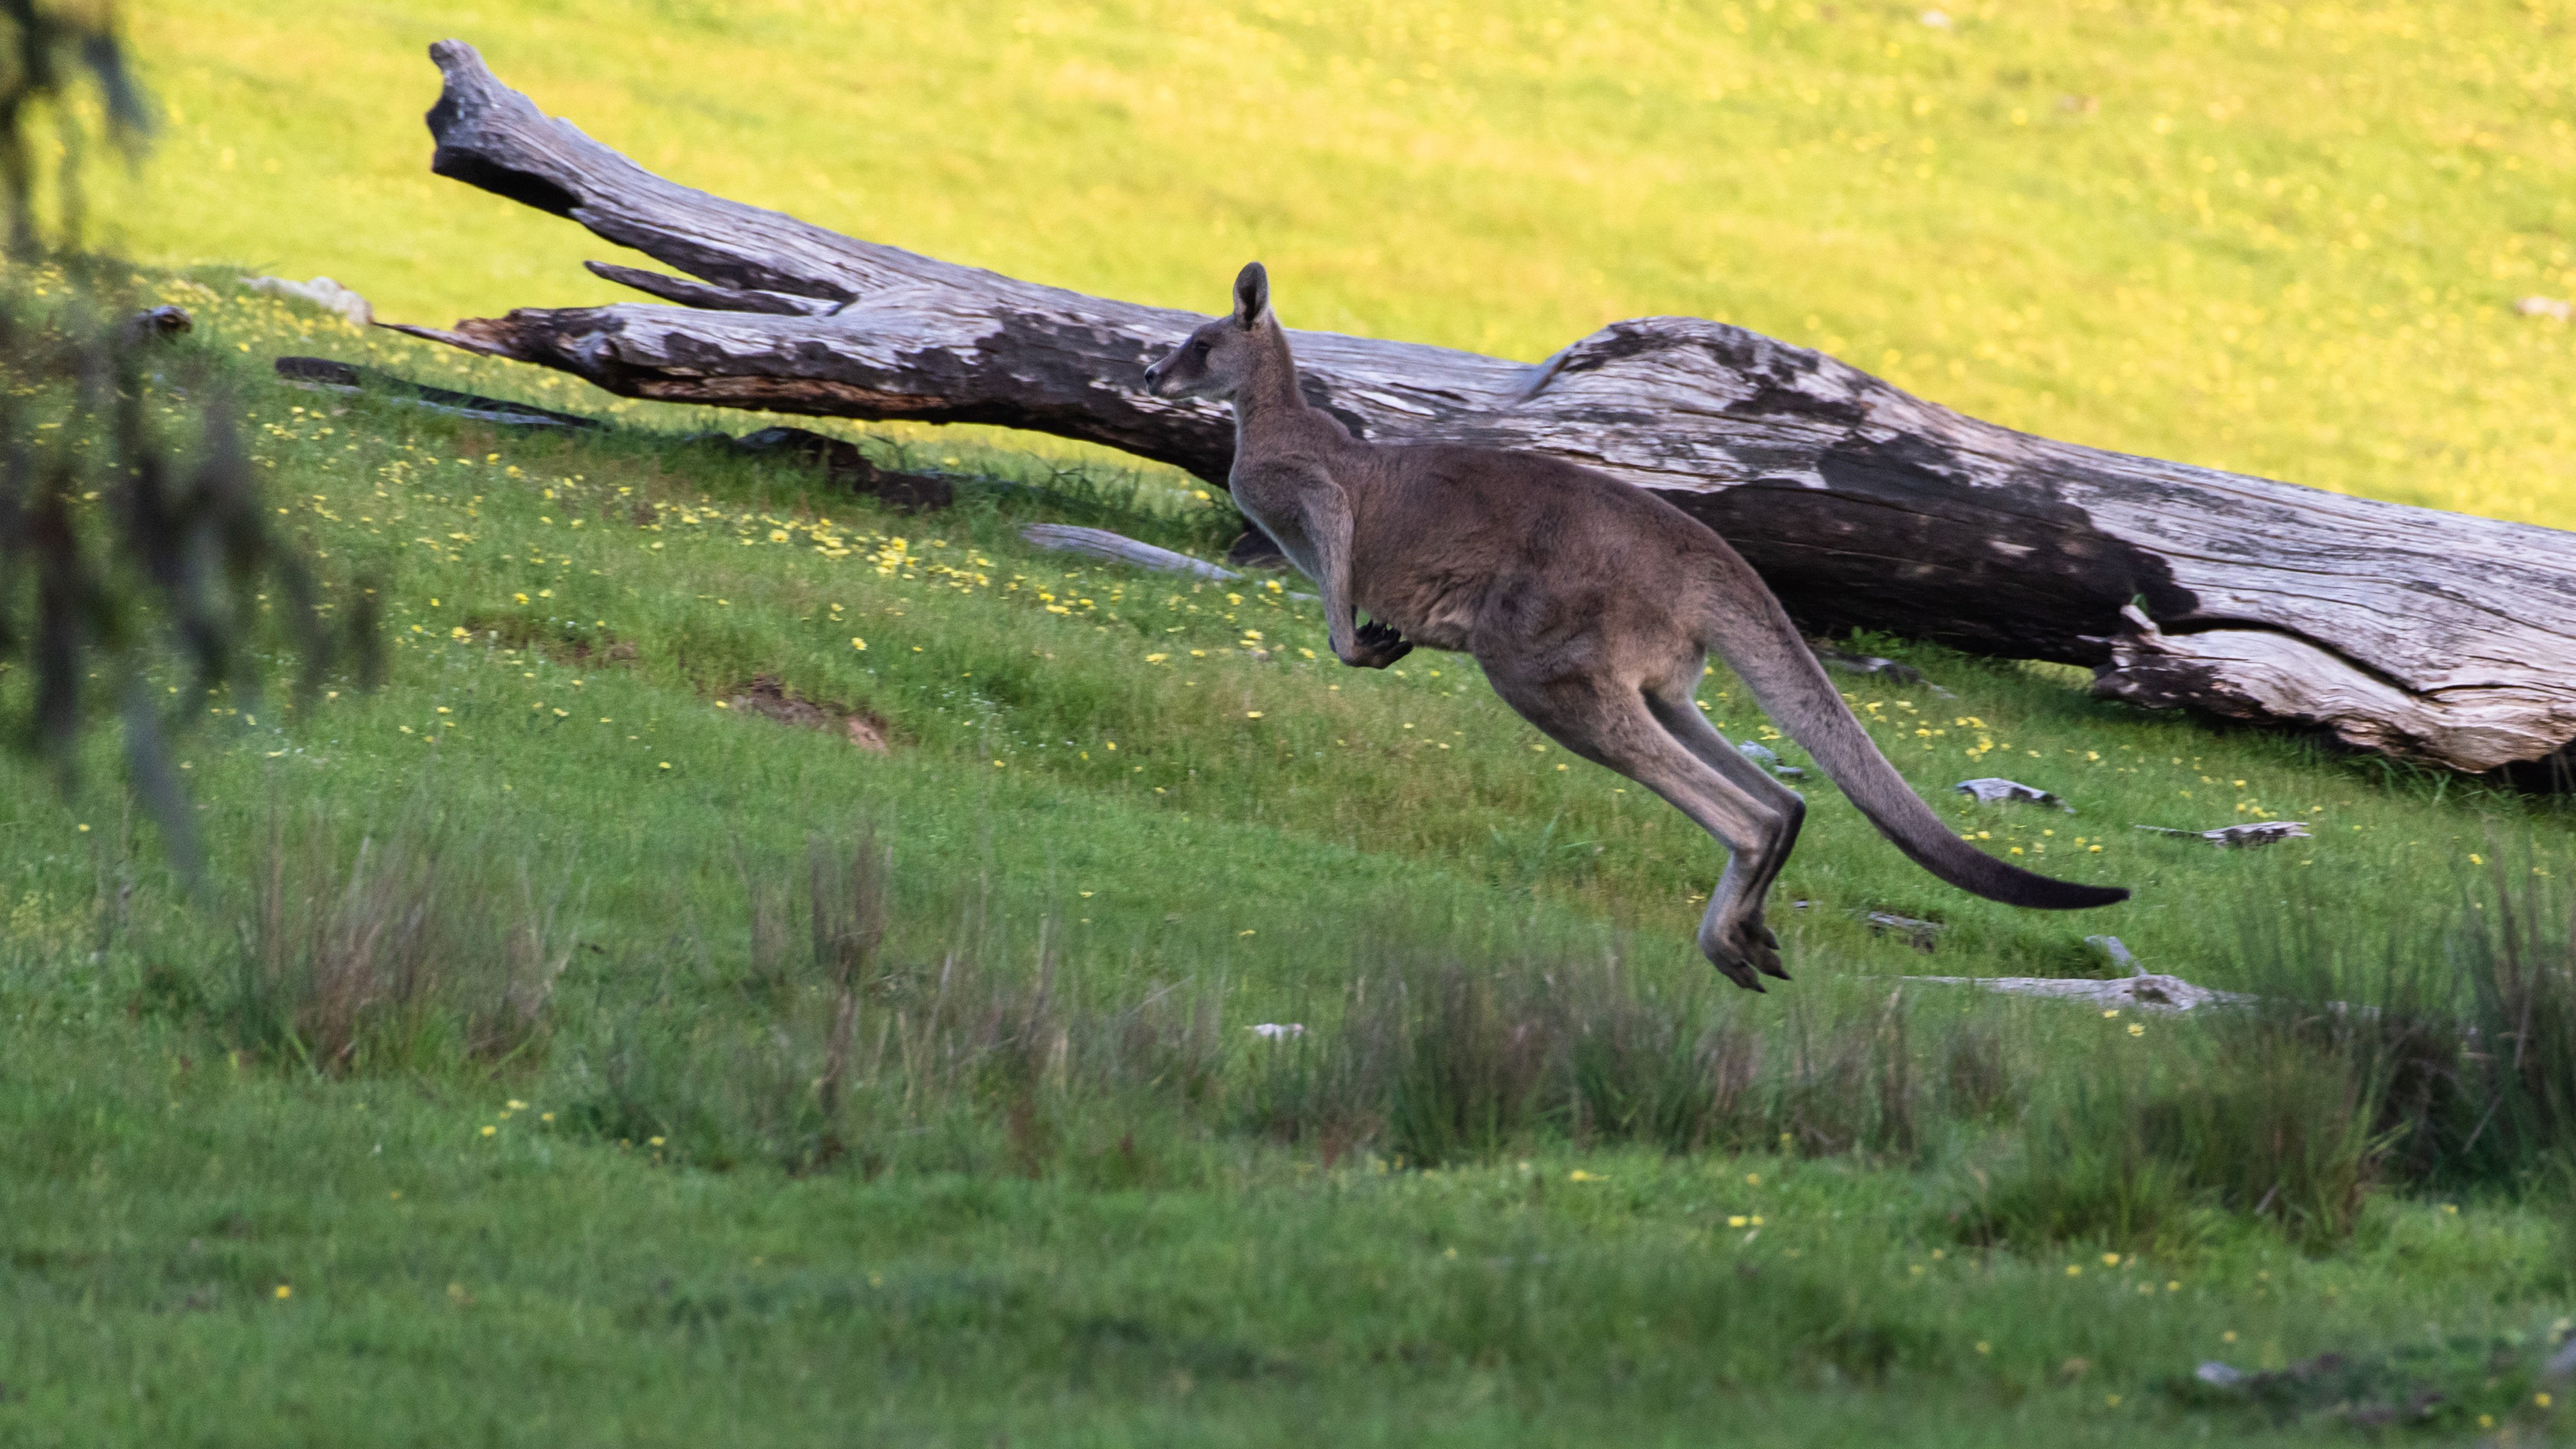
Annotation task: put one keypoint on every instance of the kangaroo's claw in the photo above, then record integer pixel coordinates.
(1375, 646)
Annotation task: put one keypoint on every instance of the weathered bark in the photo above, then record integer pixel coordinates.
(2427, 635)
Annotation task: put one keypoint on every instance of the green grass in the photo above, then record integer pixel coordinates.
(1153, 1235)
(1063, 1194)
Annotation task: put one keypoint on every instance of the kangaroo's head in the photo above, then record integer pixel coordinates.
(1217, 360)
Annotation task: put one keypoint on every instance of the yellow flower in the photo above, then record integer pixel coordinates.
(653, 1141)
(1252, 714)
(2136, 1030)
(666, 764)
(489, 1129)
(2074, 1270)
(2110, 1260)
(517, 1106)
(522, 598)
(1579, 1175)
(1736, 1221)
(284, 1291)
(858, 643)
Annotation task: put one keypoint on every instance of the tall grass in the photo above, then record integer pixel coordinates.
(1442, 1061)
(2452, 1065)
(412, 949)
(405, 951)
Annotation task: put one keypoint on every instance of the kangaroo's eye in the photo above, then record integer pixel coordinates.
(1203, 347)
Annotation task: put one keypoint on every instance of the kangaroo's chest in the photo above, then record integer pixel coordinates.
(1281, 512)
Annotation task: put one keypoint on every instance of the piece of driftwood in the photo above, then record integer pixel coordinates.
(1119, 548)
(1833, 656)
(2260, 832)
(2145, 991)
(1769, 759)
(1924, 936)
(327, 375)
(2427, 635)
(1996, 790)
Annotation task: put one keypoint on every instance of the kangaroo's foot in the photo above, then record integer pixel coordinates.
(1745, 950)
(1375, 646)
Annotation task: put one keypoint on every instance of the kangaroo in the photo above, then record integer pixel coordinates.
(1592, 606)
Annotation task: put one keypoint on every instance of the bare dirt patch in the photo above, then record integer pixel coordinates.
(766, 697)
(560, 642)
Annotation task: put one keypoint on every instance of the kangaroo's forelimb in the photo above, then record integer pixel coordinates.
(1308, 515)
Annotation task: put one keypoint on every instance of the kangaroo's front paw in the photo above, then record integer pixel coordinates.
(1376, 646)
(1743, 950)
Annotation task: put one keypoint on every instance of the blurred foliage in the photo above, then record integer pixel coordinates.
(121, 536)
(46, 51)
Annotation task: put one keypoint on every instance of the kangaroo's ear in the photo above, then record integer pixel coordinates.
(1251, 294)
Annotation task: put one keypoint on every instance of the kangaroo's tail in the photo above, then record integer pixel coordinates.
(1756, 638)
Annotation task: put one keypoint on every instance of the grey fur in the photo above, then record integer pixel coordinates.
(1592, 606)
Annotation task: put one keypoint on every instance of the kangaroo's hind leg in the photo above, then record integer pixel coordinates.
(1672, 704)
(1610, 724)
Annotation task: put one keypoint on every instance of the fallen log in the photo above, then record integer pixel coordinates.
(2426, 635)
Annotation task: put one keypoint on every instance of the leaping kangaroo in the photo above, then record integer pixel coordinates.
(1592, 606)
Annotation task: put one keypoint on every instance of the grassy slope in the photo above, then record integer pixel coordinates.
(603, 1296)
(606, 1294)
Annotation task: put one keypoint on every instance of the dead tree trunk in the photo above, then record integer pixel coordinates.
(2427, 635)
